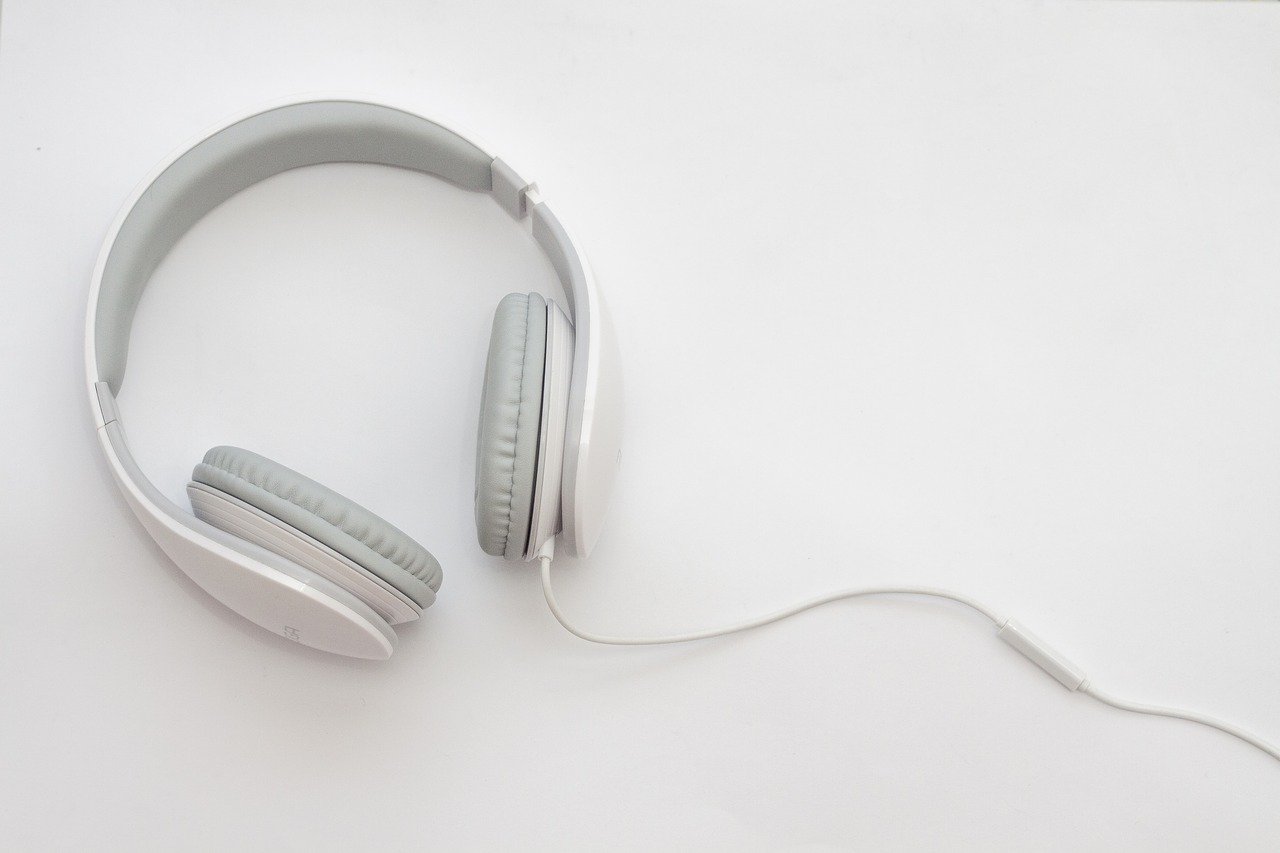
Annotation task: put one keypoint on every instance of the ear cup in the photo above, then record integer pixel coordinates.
(510, 417)
(331, 519)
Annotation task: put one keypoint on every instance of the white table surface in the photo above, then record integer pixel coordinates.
(981, 295)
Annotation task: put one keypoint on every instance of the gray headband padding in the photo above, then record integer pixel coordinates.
(249, 151)
(510, 417)
(326, 516)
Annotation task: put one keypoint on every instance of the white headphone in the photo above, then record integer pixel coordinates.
(283, 550)
(305, 562)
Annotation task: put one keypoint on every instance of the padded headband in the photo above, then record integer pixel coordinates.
(277, 140)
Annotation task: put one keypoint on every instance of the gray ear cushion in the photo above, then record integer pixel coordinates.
(326, 516)
(510, 417)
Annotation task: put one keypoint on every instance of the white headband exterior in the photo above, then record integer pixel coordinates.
(248, 578)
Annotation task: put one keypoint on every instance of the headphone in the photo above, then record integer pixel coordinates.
(303, 561)
(283, 550)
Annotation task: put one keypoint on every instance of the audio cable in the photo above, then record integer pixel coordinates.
(1010, 631)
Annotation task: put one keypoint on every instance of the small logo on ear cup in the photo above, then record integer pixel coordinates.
(619, 459)
(291, 633)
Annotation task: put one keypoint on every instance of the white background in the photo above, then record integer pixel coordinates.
(980, 295)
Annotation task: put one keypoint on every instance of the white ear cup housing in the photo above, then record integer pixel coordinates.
(239, 518)
(278, 593)
(263, 502)
(338, 523)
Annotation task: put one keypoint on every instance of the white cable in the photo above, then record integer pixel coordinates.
(1192, 716)
(1030, 646)
(807, 604)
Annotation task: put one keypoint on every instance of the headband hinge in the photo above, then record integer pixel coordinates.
(512, 191)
